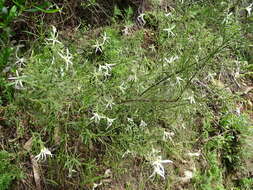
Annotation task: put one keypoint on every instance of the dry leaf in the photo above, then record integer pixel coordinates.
(36, 173)
(57, 138)
(28, 145)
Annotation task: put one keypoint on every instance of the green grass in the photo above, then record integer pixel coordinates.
(8, 171)
(116, 99)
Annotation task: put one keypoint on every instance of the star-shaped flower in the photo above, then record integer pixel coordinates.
(18, 81)
(192, 100)
(98, 47)
(169, 31)
(105, 38)
(168, 135)
(110, 103)
(66, 57)
(44, 152)
(158, 167)
(96, 117)
(143, 124)
(54, 37)
(110, 121)
(122, 87)
(172, 59)
(106, 69)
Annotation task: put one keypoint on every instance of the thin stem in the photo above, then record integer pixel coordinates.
(147, 100)
(205, 59)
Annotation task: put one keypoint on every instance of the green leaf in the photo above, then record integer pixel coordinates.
(2, 3)
(47, 11)
(117, 11)
(2, 25)
(43, 8)
(12, 13)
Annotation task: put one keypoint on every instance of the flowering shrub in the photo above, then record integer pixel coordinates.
(132, 97)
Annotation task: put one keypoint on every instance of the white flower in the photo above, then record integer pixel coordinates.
(130, 120)
(43, 154)
(110, 121)
(54, 37)
(249, 9)
(141, 19)
(169, 30)
(110, 103)
(97, 47)
(102, 71)
(168, 135)
(172, 59)
(109, 66)
(192, 100)
(66, 57)
(105, 38)
(143, 124)
(152, 47)
(20, 61)
(122, 88)
(105, 69)
(18, 81)
(158, 167)
(96, 117)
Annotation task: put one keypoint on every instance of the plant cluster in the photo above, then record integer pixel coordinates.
(152, 104)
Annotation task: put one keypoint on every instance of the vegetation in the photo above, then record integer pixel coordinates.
(143, 95)
(8, 171)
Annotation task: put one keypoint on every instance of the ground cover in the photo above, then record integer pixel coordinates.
(158, 98)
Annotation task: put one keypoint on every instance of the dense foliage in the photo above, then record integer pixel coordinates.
(151, 100)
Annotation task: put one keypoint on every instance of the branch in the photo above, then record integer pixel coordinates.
(205, 59)
(148, 100)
